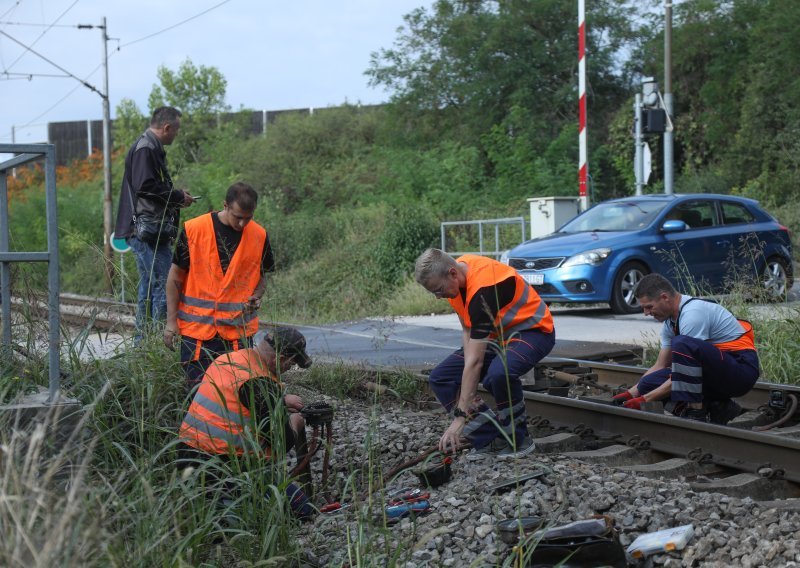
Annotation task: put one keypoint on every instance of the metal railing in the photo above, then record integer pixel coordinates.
(496, 223)
(26, 153)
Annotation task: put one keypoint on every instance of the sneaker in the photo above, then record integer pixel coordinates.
(525, 447)
(492, 449)
(723, 411)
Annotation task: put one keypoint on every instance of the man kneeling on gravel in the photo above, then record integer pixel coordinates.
(506, 330)
(707, 355)
(238, 407)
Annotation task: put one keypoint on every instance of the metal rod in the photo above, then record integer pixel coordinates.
(5, 267)
(53, 272)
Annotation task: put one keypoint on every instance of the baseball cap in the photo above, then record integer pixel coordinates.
(291, 343)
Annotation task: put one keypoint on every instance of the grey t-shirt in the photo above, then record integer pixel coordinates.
(702, 320)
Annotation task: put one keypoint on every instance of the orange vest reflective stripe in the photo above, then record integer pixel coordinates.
(212, 303)
(217, 422)
(525, 312)
(745, 341)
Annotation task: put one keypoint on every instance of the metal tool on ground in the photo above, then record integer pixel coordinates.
(397, 512)
(509, 484)
(436, 471)
(318, 415)
(422, 457)
(510, 530)
(409, 496)
(335, 507)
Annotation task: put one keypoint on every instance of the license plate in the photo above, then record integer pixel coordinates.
(534, 279)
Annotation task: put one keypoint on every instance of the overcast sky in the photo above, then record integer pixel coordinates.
(274, 55)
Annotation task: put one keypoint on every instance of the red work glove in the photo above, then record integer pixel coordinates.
(635, 403)
(620, 398)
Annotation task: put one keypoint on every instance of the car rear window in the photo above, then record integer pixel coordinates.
(733, 213)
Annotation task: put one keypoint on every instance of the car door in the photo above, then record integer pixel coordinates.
(736, 227)
(695, 258)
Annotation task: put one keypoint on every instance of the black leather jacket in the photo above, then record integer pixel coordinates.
(146, 185)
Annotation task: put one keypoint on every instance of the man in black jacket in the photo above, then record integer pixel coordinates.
(148, 194)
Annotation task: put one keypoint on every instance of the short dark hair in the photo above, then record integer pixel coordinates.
(242, 194)
(164, 115)
(653, 285)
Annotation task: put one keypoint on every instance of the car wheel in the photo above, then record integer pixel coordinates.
(622, 299)
(774, 278)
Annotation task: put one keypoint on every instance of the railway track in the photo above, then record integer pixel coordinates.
(744, 457)
(568, 403)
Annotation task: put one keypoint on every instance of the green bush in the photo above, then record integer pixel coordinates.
(407, 232)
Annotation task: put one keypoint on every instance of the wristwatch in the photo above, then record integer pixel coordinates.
(458, 413)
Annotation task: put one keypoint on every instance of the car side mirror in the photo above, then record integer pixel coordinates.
(673, 226)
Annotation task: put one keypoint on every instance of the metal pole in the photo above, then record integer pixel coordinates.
(583, 165)
(638, 159)
(668, 135)
(53, 284)
(107, 199)
(5, 267)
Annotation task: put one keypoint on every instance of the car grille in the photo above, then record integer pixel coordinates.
(537, 263)
(545, 289)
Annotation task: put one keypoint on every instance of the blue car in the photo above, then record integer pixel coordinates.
(704, 243)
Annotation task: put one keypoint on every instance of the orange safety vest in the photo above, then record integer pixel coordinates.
(217, 422)
(212, 303)
(745, 341)
(525, 312)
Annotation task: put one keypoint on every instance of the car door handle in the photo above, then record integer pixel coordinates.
(724, 243)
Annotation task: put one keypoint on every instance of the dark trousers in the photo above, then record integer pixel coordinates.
(195, 360)
(500, 376)
(703, 373)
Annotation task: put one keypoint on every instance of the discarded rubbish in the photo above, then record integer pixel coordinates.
(666, 540)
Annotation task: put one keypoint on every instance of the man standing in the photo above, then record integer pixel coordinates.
(707, 356)
(239, 408)
(506, 330)
(149, 196)
(216, 282)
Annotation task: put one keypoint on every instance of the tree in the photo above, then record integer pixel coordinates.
(129, 124)
(199, 93)
(501, 75)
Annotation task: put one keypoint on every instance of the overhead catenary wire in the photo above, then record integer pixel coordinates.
(67, 95)
(41, 35)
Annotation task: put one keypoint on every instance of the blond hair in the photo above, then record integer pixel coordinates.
(433, 263)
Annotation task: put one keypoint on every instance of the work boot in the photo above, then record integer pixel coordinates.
(723, 411)
(697, 414)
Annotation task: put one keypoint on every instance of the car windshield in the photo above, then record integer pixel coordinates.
(615, 216)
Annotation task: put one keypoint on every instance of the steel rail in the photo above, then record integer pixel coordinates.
(615, 374)
(743, 450)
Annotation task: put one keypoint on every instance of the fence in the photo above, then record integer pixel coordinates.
(465, 238)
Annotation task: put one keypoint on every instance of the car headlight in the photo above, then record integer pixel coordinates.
(504, 256)
(593, 257)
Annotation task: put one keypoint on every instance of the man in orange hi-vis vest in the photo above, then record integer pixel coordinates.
(216, 282)
(506, 329)
(239, 408)
(707, 355)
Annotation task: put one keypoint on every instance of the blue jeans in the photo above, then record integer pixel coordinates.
(500, 376)
(153, 265)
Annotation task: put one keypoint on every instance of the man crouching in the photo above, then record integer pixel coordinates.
(236, 407)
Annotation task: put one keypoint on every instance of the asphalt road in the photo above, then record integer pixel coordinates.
(419, 342)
